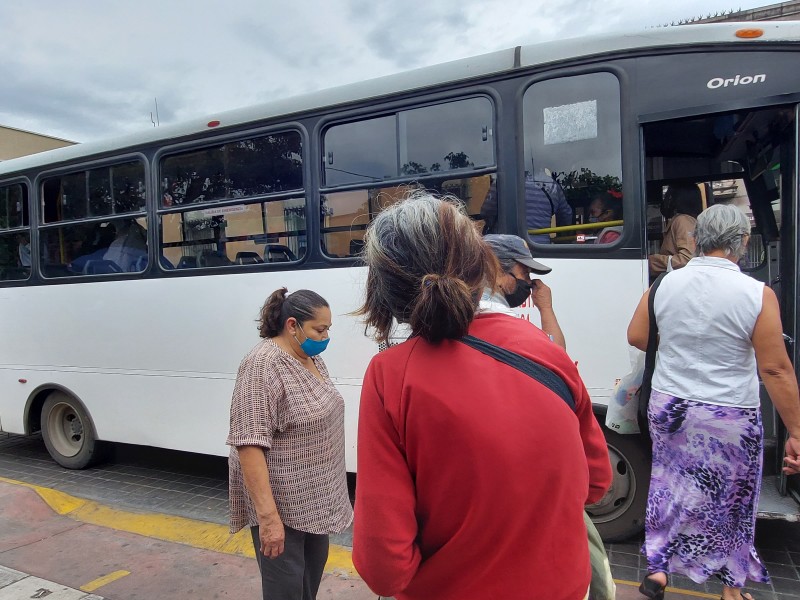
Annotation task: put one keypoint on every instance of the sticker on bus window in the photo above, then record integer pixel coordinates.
(570, 122)
(223, 210)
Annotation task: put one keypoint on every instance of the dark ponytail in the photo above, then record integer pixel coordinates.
(302, 305)
(443, 309)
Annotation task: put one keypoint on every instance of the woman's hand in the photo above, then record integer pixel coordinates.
(272, 536)
(792, 458)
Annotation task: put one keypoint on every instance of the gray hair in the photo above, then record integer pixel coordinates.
(427, 264)
(722, 227)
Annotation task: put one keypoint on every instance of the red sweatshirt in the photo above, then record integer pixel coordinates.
(472, 477)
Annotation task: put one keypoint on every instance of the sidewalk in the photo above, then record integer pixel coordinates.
(38, 542)
(81, 550)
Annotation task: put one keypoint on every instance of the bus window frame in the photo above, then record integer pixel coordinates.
(413, 100)
(206, 141)
(98, 163)
(29, 229)
(632, 239)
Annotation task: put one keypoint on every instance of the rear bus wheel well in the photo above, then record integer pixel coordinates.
(33, 417)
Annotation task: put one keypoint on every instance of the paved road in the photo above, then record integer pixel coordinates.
(181, 485)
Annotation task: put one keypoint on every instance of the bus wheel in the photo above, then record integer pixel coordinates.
(68, 433)
(619, 514)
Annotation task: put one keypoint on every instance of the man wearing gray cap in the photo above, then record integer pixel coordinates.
(514, 285)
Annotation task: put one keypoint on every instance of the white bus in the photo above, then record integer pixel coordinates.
(132, 271)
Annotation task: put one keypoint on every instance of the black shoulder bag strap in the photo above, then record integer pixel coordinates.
(540, 373)
(650, 355)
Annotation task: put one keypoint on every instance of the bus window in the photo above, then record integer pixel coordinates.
(15, 248)
(573, 160)
(427, 146)
(73, 241)
(345, 215)
(239, 234)
(94, 193)
(94, 248)
(242, 234)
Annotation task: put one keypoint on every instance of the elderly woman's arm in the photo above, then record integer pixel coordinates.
(639, 327)
(778, 374)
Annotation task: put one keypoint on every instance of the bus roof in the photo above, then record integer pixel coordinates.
(545, 53)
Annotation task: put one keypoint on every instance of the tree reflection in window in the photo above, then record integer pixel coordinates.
(239, 169)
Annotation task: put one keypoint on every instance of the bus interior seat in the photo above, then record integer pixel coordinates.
(165, 263)
(140, 264)
(187, 262)
(278, 253)
(212, 258)
(248, 258)
(609, 235)
(101, 267)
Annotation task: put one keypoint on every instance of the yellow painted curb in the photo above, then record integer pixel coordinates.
(190, 532)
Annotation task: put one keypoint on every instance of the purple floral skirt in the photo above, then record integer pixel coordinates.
(704, 487)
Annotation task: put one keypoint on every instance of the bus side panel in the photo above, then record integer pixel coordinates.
(154, 360)
(594, 301)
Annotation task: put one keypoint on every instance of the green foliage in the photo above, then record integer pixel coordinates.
(581, 186)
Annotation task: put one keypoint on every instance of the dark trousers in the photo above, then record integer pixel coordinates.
(295, 574)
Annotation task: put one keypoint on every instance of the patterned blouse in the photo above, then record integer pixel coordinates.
(281, 406)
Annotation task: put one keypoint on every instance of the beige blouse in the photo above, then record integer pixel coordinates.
(299, 422)
(678, 243)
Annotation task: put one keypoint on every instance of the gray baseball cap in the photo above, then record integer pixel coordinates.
(514, 247)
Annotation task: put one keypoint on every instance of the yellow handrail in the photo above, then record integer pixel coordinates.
(602, 225)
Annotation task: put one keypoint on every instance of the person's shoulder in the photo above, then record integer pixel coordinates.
(264, 352)
(498, 328)
(395, 354)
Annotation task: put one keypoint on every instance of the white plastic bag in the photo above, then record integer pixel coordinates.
(623, 408)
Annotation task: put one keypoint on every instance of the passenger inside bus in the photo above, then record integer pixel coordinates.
(129, 248)
(682, 203)
(604, 208)
(544, 199)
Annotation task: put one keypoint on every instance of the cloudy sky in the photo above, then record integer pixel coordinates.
(90, 69)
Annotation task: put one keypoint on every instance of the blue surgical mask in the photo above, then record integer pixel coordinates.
(312, 347)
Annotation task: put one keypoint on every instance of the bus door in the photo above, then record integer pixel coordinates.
(747, 158)
(786, 181)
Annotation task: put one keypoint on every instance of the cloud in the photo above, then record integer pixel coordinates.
(89, 69)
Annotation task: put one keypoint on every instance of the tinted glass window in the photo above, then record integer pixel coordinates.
(243, 234)
(13, 206)
(345, 215)
(573, 160)
(446, 137)
(240, 169)
(361, 152)
(97, 248)
(95, 193)
(427, 140)
(15, 255)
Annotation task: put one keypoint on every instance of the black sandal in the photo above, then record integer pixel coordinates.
(652, 589)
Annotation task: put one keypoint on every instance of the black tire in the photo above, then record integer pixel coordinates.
(68, 432)
(619, 515)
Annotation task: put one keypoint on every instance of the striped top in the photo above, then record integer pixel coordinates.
(298, 419)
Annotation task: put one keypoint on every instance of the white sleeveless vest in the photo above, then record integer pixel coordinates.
(706, 313)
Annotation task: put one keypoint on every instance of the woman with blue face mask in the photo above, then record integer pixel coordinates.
(285, 406)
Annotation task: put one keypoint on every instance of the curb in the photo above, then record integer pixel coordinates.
(168, 528)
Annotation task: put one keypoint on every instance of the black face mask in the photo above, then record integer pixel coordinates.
(520, 293)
